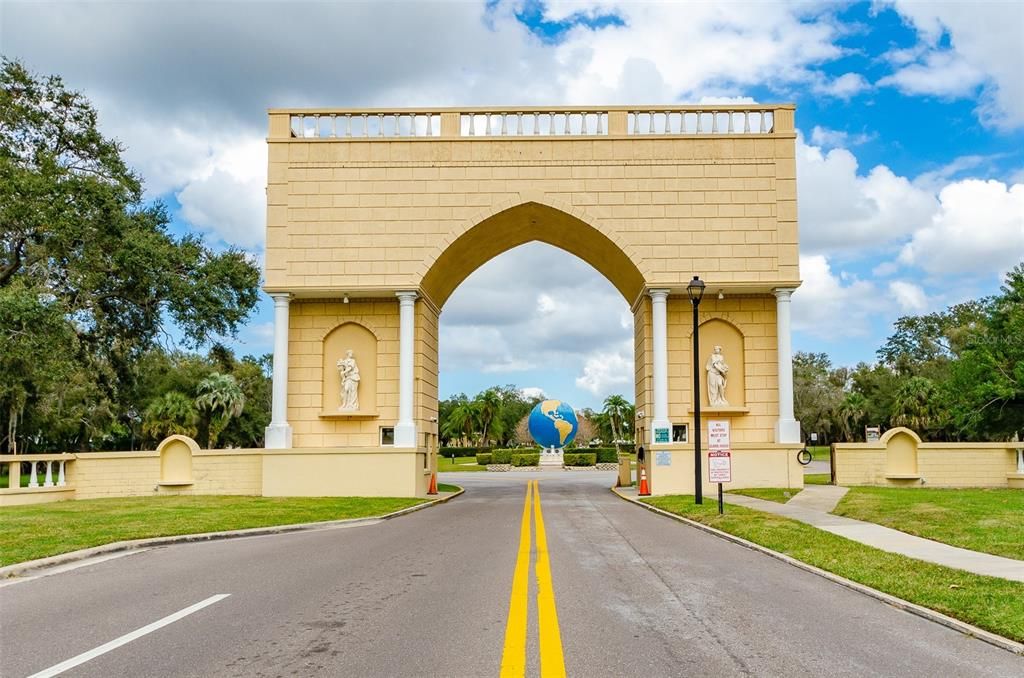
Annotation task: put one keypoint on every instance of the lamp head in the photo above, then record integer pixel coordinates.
(695, 289)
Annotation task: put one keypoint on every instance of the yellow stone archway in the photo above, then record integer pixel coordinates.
(375, 217)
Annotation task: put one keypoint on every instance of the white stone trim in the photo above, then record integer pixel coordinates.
(278, 434)
(787, 428)
(405, 428)
(659, 331)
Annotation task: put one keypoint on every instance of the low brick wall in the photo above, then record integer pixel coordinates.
(901, 459)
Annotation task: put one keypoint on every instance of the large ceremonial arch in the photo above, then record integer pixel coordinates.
(376, 216)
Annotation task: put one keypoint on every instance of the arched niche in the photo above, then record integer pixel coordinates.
(349, 336)
(176, 460)
(900, 453)
(718, 332)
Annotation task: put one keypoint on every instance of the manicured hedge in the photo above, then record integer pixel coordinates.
(483, 458)
(527, 459)
(579, 459)
(605, 455)
(462, 451)
(502, 456)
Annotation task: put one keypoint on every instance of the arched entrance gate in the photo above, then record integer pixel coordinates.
(374, 217)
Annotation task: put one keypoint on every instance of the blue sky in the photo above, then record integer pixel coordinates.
(910, 160)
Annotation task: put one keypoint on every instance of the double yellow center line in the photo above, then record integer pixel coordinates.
(513, 660)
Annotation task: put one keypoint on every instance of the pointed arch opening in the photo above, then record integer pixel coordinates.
(523, 223)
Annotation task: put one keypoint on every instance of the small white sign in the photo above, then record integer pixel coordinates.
(718, 435)
(814, 437)
(662, 458)
(720, 466)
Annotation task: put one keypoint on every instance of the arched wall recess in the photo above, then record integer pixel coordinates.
(349, 336)
(718, 332)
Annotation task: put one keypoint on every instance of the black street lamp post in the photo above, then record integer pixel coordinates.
(696, 291)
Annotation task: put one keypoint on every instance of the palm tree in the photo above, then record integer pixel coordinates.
(851, 413)
(488, 408)
(461, 422)
(172, 413)
(615, 408)
(218, 399)
(915, 405)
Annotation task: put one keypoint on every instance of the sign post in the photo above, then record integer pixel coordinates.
(719, 457)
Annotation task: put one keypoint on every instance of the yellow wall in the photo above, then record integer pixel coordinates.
(377, 213)
(891, 461)
(341, 473)
(767, 466)
(311, 321)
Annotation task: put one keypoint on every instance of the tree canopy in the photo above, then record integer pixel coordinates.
(91, 275)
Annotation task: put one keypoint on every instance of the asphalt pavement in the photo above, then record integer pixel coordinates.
(428, 594)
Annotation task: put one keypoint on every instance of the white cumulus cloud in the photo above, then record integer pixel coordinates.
(978, 228)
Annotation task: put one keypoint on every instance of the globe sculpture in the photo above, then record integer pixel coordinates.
(553, 424)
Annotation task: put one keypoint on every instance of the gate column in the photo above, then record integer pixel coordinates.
(279, 434)
(659, 327)
(787, 429)
(405, 429)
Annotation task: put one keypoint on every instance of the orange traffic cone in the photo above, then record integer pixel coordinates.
(433, 484)
(644, 491)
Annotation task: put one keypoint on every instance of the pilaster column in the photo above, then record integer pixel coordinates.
(787, 429)
(659, 328)
(279, 433)
(405, 429)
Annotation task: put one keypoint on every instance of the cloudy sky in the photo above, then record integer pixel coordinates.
(910, 157)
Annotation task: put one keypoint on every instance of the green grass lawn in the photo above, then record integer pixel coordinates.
(777, 494)
(445, 487)
(991, 521)
(460, 464)
(30, 532)
(994, 604)
(820, 452)
(817, 479)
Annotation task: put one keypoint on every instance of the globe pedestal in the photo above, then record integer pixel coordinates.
(551, 457)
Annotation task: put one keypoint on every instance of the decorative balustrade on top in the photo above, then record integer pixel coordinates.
(44, 470)
(367, 124)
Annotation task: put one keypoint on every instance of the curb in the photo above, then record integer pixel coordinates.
(20, 569)
(898, 603)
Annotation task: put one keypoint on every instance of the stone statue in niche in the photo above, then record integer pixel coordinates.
(717, 371)
(349, 372)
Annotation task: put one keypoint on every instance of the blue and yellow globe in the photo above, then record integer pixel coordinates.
(553, 423)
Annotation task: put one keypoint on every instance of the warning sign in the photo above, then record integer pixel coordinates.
(718, 435)
(720, 466)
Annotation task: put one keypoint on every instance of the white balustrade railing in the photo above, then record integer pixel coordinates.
(701, 121)
(50, 467)
(367, 124)
(533, 123)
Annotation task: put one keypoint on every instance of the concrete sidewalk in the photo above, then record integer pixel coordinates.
(812, 505)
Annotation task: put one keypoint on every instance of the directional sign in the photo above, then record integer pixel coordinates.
(718, 435)
(720, 466)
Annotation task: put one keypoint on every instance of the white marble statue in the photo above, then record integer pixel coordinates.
(349, 372)
(717, 369)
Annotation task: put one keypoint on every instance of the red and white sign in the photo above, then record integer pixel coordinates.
(720, 466)
(718, 435)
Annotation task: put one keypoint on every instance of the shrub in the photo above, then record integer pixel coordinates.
(501, 456)
(606, 455)
(458, 451)
(527, 459)
(579, 459)
(483, 458)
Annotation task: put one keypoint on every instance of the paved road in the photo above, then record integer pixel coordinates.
(428, 595)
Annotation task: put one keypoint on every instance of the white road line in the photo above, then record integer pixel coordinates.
(127, 638)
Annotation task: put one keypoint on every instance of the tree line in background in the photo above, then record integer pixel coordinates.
(91, 277)
(498, 417)
(953, 375)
